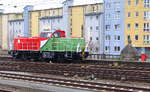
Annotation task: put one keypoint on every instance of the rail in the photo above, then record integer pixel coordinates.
(82, 84)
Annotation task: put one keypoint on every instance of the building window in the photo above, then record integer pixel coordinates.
(49, 13)
(129, 14)
(129, 2)
(108, 16)
(97, 38)
(117, 48)
(43, 21)
(117, 15)
(97, 27)
(136, 25)
(117, 26)
(108, 5)
(136, 2)
(147, 3)
(128, 26)
(70, 11)
(147, 27)
(136, 14)
(53, 20)
(117, 37)
(97, 17)
(82, 30)
(58, 20)
(107, 48)
(146, 39)
(136, 37)
(48, 21)
(147, 15)
(93, 8)
(10, 23)
(90, 38)
(91, 28)
(108, 37)
(71, 31)
(107, 27)
(91, 17)
(129, 38)
(116, 5)
(70, 22)
(97, 7)
(20, 31)
(53, 12)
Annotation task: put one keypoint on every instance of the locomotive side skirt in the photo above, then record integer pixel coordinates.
(47, 55)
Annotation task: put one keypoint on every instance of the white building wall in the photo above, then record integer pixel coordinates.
(94, 33)
(51, 24)
(15, 29)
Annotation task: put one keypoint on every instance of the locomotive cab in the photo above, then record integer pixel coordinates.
(45, 34)
(56, 34)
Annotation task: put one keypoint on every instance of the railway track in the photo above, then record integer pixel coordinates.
(101, 71)
(131, 72)
(6, 57)
(82, 84)
(1, 90)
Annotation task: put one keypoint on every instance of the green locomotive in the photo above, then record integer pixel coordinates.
(64, 48)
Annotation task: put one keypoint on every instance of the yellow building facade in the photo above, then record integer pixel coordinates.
(0, 31)
(76, 21)
(34, 23)
(137, 21)
(5, 18)
(77, 17)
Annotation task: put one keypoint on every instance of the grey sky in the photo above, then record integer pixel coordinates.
(15, 6)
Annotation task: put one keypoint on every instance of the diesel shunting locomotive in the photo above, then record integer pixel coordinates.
(49, 47)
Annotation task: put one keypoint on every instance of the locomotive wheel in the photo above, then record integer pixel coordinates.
(24, 57)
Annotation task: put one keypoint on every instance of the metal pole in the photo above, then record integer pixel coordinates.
(103, 37)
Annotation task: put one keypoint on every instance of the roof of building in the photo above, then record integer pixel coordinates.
(10, 6)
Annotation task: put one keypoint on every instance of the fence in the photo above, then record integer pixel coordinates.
(103, 56)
